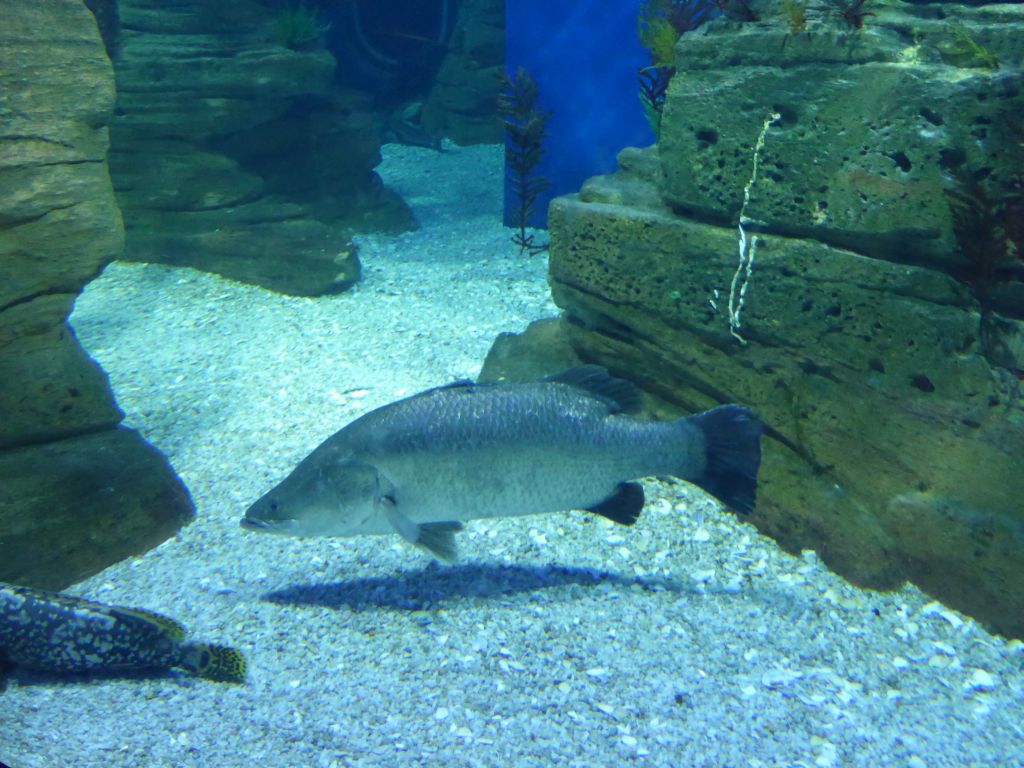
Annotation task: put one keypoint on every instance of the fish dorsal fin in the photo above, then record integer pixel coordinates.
(624, 396)
(467, 384)
(56, 598)
(623, 506)
(175, 631)
(456, 384)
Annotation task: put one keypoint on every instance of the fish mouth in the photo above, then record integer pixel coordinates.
(265, 526)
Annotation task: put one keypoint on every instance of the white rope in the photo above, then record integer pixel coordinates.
(747, 245)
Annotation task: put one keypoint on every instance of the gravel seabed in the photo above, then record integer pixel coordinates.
(686, 640)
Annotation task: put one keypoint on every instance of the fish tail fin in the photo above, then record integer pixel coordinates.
(214, 662)
(732, 435)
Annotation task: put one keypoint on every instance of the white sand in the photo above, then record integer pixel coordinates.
(687, 640)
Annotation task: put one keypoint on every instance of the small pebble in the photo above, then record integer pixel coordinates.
(981, 680)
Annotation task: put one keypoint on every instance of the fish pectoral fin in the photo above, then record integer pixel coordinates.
(437, 538)
(623, 506)
(403, 526)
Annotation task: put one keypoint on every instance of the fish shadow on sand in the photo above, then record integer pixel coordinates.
(31, 677)
(435, 584)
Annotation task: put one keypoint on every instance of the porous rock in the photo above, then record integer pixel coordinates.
(235, 154)
(77, 492)
(895, 430)
(462, 103)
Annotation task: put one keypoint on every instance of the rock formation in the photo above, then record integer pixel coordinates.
(234, 153)
(885, 361)
(462, 103)
(77, 491)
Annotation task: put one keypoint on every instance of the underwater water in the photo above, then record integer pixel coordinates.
(285, 272)
(595, 111)
(687, 639)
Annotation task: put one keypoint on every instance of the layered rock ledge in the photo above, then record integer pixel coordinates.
(889, 380)
(77, 491)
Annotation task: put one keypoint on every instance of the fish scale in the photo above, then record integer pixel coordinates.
(423, 465)
(57, 633)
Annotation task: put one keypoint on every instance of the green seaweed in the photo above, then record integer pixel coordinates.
(656, 33)
(963, 50)
(795, 13)
(298, 26)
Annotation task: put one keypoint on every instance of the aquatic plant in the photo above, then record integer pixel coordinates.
(660, 24)
(989, 230)
(795, 12)
(656, 34)
(653, 90)
(968, 49)
(298, 26)
(852, 12)
(525, 131)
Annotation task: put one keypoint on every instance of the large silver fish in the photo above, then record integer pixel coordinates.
(57, 633)
(421, 466)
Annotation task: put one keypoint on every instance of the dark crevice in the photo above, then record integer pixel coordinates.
(49, 438)
(33, 137)
(38, 295)
(12, 222)
(55, 162)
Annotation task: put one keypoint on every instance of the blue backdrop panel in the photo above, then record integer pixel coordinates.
(584, 55)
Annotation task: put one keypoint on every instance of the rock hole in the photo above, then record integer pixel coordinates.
(951, 158)
(707, 135)
(901, 160)
(787, 115)
(922, 382)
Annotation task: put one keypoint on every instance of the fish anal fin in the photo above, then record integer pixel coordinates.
(439, 540)
(175, 630)
(623, 506)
